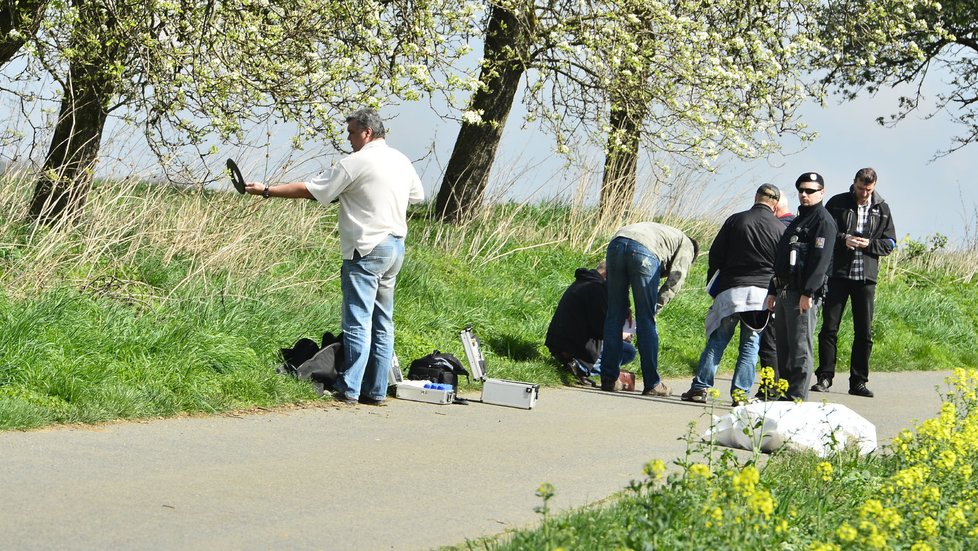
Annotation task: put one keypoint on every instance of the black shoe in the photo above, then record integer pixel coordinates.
(368, 401)
(341, 398)
(691, 395)
(823, 385)
(861, 390)
(611, 386)
(578, 374)
(767, 395)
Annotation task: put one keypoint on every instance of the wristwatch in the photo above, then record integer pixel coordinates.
(264, 192)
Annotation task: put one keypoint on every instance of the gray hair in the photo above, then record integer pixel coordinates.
(368, 119)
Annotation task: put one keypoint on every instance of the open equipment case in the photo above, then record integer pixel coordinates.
(496, 391)
(417, 391)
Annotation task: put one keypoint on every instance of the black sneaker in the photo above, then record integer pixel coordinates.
(611, 386)
(342, 399)
(823, 385)
(861, 390)
(368, 401)
(698, 396)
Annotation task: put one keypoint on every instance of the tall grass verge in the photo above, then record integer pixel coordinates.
(160, 300)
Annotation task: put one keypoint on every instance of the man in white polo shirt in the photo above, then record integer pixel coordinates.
(374, 186)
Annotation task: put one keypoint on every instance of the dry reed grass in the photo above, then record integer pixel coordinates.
(678, 200)
(243, 239)
(207, 232)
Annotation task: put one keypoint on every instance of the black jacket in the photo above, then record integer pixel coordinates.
(743, 249)
(879, 229)
(580, 314)
(811, 235)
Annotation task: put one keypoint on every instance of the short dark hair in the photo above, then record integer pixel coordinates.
(368, 119)
(770, 191)
(865, 176)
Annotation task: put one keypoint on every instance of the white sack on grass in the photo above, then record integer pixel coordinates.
(820, 427)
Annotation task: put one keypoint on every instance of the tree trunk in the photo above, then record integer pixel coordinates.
(508, 38)
(67, 173)
(620, 177)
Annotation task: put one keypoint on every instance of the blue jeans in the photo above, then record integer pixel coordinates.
(628, 354)
(750, 342)
(631, 265)
(368, 319)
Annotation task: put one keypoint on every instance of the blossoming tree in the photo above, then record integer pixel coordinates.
(688, 77)
(189, 72)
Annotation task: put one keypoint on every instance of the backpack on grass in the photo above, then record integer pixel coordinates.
(320, 364)
(437, 368)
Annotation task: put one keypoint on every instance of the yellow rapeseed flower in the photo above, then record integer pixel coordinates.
(846, 533)
(655, 469)
(761, 503)
(745, 481)
(871, 508)
(699, 470)
(930, 493)
(947, 459)
(824, 471)
(928, 526)
(921, 546)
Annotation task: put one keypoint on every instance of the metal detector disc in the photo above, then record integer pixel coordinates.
(236, 178)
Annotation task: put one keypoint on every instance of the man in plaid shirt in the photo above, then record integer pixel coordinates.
(866, 233)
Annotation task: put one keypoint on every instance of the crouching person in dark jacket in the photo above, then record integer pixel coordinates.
(576, 330)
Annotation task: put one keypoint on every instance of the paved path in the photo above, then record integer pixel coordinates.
(406, 476)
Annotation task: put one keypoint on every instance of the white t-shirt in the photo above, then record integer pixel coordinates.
(374, 187)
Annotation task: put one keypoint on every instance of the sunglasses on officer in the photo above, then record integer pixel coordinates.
(808, 190)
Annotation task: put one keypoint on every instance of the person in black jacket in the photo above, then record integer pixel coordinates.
(801, 266)
(576, 330)
(741, 266)
(865, 234)
(769, 350)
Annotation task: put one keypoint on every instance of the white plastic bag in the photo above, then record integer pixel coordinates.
(821, 427)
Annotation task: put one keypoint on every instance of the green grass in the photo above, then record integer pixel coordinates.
(183, 306)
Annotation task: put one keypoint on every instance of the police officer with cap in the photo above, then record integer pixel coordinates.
(801, 266)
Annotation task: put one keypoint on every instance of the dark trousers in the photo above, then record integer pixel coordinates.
(863, 295)
(795, 331)
(769, 348)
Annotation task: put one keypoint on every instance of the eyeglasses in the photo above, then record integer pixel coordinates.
(807, 190)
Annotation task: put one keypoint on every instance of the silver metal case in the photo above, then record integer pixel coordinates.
(415, 391)
(499, 392)
(510, 393)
